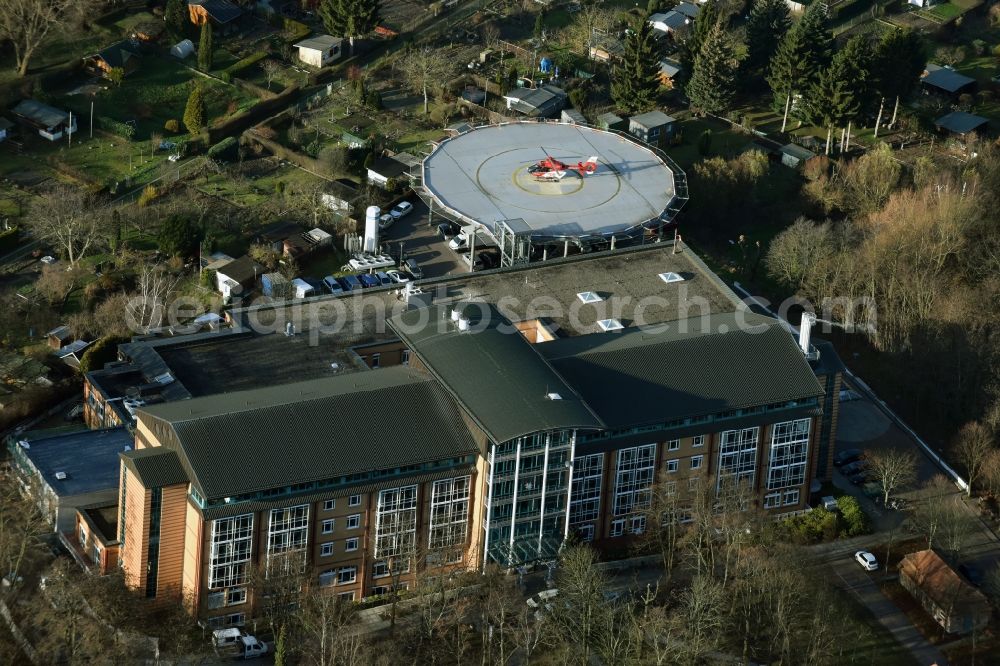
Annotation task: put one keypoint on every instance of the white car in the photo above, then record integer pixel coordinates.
(459, 243)
(401, 209)
(866, 560)
(175, 157)
(398, 276)
(385, 221)
(48, 260)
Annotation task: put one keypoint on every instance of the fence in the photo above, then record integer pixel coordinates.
(172, 172)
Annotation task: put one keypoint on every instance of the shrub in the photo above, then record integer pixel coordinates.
(123, 130)
(295, 31)
(812, 527)
(150, 193)
(194, 112)
(9, 239)
(172, 125)
(240, 65)
(853, 516)
(103, 351)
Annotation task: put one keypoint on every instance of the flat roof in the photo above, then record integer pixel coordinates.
(88, 458)
(482, 176)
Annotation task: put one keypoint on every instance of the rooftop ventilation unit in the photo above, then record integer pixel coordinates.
(165, 378)
(610, 325)
(671, 277)
(61, 476)
(463, 323)
(24, 444)
(589, 297)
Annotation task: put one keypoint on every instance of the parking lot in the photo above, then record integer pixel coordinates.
(420, 241)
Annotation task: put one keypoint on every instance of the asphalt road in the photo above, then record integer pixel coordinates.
(421, 242)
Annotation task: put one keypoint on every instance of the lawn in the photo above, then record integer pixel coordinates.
(726, 142)
(156, 93)
(947, 12)
(249, 192)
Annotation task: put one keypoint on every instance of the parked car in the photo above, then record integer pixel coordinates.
(413, 268)
(350, 282)
(369, 280)
(853, 468)
(48, 260)
(829, 503)
(447, 230)
(861, 478)
(401, 209)
(459, 243)
(332, 285)
(486, 261)
(383, 278)
(848, 456)
(385, 221)
(866, 560)
(397, 276)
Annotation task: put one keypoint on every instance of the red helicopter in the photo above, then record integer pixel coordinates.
(552, 169)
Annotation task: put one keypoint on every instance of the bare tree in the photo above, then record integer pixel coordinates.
(592, 21)
(892, 469)
(26, 23)
(578, 618)
(939, 515)
(973, 447)
(22, 523)
(424, 68)
(271, 69)
(145, 309)
(664, 529)
(65, 217)
(703, 607)
(329, 633)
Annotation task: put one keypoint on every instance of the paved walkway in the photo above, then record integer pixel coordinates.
(864, 587)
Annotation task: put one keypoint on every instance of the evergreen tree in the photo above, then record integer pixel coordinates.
(707, 17)
(205, 47)
(767, 26)
(539, 24)
(349, 18)
(802, 55)
(175, 17)
(194, 112)
(713, 81)
(897, 64)
(637, 79)
(836, 97)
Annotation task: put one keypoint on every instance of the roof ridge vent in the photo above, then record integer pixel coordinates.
(670, 276)
(553, 396)
(61, 476)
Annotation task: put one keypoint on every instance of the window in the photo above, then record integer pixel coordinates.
(231, 620)
(449, 512)
(672, 465)
(698, 440)
(671, 488)
(237, 596)
(405, 357)
(346, 596)
(673, 445)
(585, 494)
(791, 497)
(395, 521)
(638, 524)
(327, 577)
(376, 360)
(329, 505)
(789, 454)
(354, 521)
(347, 575)
(287, 537)
(772, 500)
(380, 569)
(696, 462)
(351, 544)
(738, 455)
(328, 526)
(586, 532)
(326, 550)
(617, 527)
(633, 477)
(693, 483)
(232, 539)
(355, 500)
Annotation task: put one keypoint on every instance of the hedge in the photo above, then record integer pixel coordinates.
(295, 31)
(105, 350)
(249, 61)
(115, 127)
(225, 149)
(9, 239)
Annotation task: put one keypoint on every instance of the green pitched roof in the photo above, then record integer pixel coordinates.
(155, 467)
(689, 368)
(496, 375)
(247, 441)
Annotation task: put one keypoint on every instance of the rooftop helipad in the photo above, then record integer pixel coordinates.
(482, 175)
